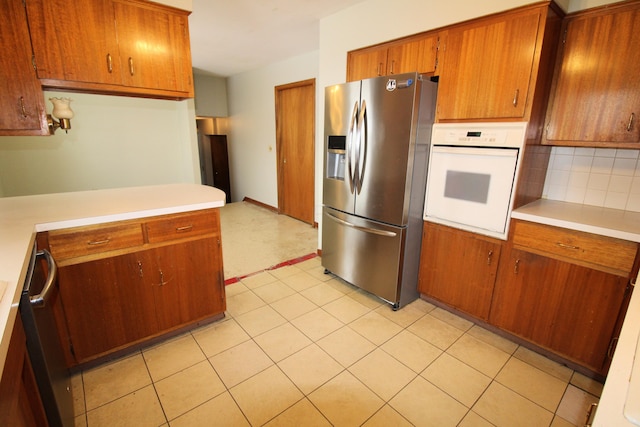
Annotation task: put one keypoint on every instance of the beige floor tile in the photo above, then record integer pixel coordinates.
(479, 355)
(532, 383)
(474, 420)
(273, 291)
(422, 305)
(403, 317)
(321, 294)
(259, 279)
(386, 417)
(318, 272)
(435, 331)
(317, 324)
(80, 420)
(346, 346)
(221, 409)
(561, 422)
(345, 401)
(587, 384)
(260, 320)
(310, 368)
(240, 362)
(457, 379)
(345, 309)
(114, 380)
(423, 404)
(77, 391)
(575, 404)
(311, 264)
(282, 341)
(293, 306)
(219, 336)
(376, 328)
(286, 271)
(301, 281)
(544, 364)
(412, 350)
(265, 395)
(505, 408)
(172, 356)
(382, 373)
(235, 289)
(493, 339)
(370, 301)
(243, 303)
(302, 413)
(189, 388)
(342, 286)
(140, 408)
(452, 319)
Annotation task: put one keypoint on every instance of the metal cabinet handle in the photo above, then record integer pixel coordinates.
(365, 229)
(109, 63)
(489, 257)
(98, 242)
(564, 245)
(515, 97)
(631, 120)
(40, 299)
(393, 63)
(516, 267)
(590, 414)
(184, 228)
(131, 70)
(23, 109)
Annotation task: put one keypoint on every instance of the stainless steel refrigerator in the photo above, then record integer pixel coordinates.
(377, 134)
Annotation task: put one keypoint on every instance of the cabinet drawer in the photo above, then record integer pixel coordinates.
(591, 250)
(81, 241)
(181, 226)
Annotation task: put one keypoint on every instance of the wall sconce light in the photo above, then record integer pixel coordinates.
(61, 111)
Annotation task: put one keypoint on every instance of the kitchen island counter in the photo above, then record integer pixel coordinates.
(21, 218)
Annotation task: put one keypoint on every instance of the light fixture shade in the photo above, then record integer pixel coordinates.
(61, 108)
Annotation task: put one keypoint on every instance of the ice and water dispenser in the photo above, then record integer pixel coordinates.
(336, 156)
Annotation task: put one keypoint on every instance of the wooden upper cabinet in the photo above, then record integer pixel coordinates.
(418, 54)
(490, 65)
(127, 47)
(22, 110)
(596, 91)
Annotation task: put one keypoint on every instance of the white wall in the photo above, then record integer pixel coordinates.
(114, 142)
(252, 138)
(210, 95)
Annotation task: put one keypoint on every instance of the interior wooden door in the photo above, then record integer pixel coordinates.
(295, 130)
(220, 163)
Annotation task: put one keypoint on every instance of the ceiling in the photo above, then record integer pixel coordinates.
(231, 37)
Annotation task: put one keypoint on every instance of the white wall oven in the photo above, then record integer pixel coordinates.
(473, 169)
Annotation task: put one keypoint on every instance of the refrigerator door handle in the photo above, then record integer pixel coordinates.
(350, 137)
(360, 228)
(362, 145)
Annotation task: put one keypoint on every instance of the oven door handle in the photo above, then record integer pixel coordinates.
(40, 299)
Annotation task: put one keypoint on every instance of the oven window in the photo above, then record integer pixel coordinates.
(467, 186)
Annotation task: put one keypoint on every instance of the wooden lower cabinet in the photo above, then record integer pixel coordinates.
(20, 404)
(569, 309)
(130, 294)
(458, 268)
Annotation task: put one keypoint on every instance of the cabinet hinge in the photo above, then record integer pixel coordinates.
(33, 62)
(564, 36)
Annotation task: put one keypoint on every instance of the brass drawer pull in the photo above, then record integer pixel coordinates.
(109, 63)
(515, 98)
(98, 242)
(631, 120)
(564, 245)
(131, 70)
(184, 228)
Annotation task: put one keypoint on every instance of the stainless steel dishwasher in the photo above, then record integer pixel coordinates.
(43, 343)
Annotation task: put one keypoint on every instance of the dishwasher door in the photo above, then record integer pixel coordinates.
(43, 342)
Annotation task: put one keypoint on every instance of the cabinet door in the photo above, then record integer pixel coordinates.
(364, 64)
(596, 95)
(569, 309)
(107, 305)
(488, 68)
(148, 39)
(22, 110)
(80, 46)
(458, 268)
(187, 281)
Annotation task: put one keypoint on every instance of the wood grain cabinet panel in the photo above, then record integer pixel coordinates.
(596, 92)
(22, 110)
(458, 268)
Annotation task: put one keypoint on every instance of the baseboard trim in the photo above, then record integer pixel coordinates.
(262, 205)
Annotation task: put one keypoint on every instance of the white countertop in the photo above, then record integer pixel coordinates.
(613, 223)
(22, 217)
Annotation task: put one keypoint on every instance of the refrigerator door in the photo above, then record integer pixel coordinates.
(365, 253)
(388, 123)
(342, 103)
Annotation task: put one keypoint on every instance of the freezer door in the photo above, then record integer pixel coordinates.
(341, 106)
(365, 253)
(389, 120)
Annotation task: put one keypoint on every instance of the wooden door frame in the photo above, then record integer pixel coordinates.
(280, 177)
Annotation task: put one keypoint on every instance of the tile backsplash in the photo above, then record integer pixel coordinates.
(594, 176)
